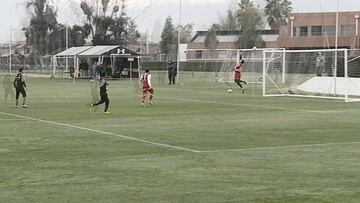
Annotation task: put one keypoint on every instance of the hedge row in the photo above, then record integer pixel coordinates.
(186, 66)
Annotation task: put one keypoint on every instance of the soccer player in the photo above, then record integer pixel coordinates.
(20, 88)
(8, 88)
(170, 71)
(320, 63)
(94, 92)
(103, 95)
(174, 73)
(147, 88)
(238, 69)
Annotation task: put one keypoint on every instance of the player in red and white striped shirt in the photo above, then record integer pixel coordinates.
(238, 70)
(147, 87)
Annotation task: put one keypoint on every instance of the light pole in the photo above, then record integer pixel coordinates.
(67, 47)
(336, 44)
(178, 44)
(337, 25)
(10, 51)
(357, 30)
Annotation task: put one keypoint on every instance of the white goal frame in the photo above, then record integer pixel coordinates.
(346, 97)
(238, 52)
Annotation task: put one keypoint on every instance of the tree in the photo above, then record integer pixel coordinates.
(133, 34)
(42, 23)
(250, 22)
(185, 33)
(211, 39)
(99, 20)
(118, 30)
(167, 37)
(228, 22)
(276, 12)
(57, 38)
(45, 34)
(109, 24)
(78, 35)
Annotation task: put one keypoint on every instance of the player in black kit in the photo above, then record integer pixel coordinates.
(20, 88)
(103, 95)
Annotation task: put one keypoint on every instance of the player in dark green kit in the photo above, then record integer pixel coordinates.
(20, 88)
(8, 88)
(103, 95)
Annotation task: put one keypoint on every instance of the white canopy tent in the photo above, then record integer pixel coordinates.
(115, 56)
(71, 53)
(105, 54)
(98, 51)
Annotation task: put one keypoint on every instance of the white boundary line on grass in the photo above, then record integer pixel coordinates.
(172, 146)
(16, 119)
(278, 147)
(101, 132)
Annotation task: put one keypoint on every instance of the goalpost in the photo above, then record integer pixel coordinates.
(323, 73)
(252, 67)
(224, 61)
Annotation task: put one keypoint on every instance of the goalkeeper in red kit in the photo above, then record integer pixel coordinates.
(238, 70)
(147, 88)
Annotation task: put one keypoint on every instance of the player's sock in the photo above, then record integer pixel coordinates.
(17, 102)
(24, 100)
(106, 107)
(143, 100)
(243, 90)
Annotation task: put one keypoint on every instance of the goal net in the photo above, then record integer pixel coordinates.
(327, 73)
(223, 61)
(251, 70)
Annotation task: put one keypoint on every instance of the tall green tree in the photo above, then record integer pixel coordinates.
(133, 35)
(168, 39)
(78, 35)
(276, 12)
(44, 32)
(250, 22)
(118, 31)
(43, 22)
(57, 38)
(108, 23)
(99, 19)
(185, 33)
(228, 22)
(211, 40)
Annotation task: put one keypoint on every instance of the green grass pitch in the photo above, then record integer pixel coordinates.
(197, 143)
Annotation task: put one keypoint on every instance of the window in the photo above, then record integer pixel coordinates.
(303, 31)
(198, 54)
(294, 32)
(329, 30)
(347, 30)
(316, 30)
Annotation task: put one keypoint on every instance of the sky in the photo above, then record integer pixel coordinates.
(151, 14)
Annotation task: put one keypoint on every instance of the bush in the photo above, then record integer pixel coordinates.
(196, 66)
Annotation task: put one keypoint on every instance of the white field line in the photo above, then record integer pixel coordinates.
(102, 132)
(11, 119)
(176, 147)
(258, 106)
(278, 147)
